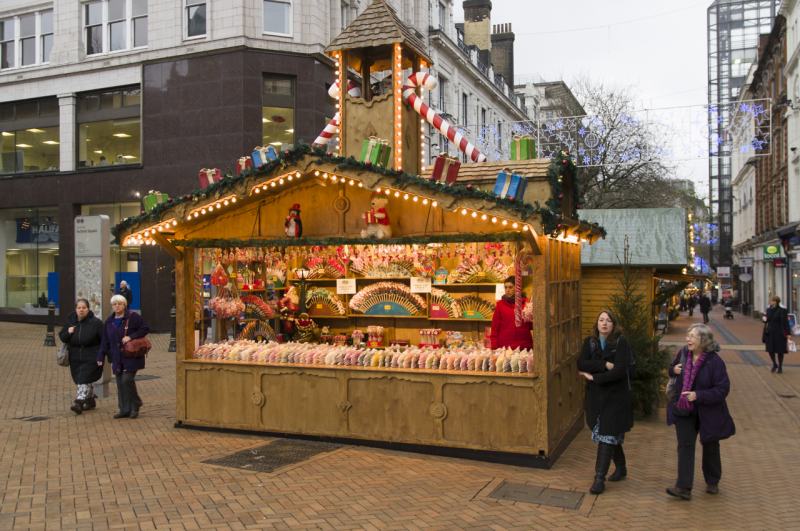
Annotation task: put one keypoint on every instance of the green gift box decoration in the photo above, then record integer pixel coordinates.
(375, 151)
(153, 199)
(523, 147)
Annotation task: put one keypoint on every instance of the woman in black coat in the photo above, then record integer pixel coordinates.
(604, 363)
(120, 327)
(699, 407)
(776, 330)
(82, 335)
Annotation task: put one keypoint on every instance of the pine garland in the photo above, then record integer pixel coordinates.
(339, 240)
(550, 214)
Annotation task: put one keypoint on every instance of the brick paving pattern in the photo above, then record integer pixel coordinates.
(93, 472)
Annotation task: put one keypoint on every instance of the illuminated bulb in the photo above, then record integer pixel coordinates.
(233, 199)
(360, 185)
(272, 184)
(484, 217)
(175, 222)
(397, 194)
(316, 173)
(202, 211)
(351, 182)
(378, 190)
(494, 220)
(147, 233)
(425, 201)
(337, 105)
(289, 178)
(333, 178)
(435, 204)
(474, 214)
(189, 217)
(415, 199)
(225, 202)
(526, 228)
(463, 211)
(515, 225)
(280, 181)
(405, 196)
(388, 192)
(218, 206)
(160, 229)
(258, 190)
(196, 215)
(505, 222)
(324, 175)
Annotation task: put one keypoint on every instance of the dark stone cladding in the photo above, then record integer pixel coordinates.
(197, 111)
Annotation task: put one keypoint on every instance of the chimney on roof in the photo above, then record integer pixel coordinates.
(477, 27)
(503, 52)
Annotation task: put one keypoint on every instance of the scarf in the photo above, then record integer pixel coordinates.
(689, 374)
(508, 299)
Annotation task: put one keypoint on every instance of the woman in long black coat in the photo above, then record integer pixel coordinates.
(776, 330)
(604, 363)
(82, 335)
(120, 327)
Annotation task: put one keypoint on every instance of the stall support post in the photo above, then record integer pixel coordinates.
(50, 337)
(172, 347)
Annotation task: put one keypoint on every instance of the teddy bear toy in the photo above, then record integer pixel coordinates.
(377, 219)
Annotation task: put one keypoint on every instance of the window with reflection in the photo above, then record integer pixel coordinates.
(195, 18)
(278, 16)
(109, 127)
(114, 25)
(29, 265)
(277, 112)
(26, 39)
(29, 136)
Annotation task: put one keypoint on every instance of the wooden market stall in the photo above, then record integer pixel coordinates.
(454, 397)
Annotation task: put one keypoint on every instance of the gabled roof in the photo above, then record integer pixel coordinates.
(656, 237)
(378, 25)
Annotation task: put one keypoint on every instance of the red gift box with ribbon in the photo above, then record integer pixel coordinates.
(445, 168)
(242, 164)
(209, 176)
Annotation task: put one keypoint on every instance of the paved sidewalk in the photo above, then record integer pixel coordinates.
(92, 472)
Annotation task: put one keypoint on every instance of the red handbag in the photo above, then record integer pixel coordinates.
(135, 348)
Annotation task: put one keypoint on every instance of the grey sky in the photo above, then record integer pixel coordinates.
(657, 49)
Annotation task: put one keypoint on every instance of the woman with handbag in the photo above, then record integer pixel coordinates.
(698, 406)
(604, 363)
(776, 332)
(82, 336)
(121, 328)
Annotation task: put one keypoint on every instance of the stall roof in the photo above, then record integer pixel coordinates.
(657, 237)
(487, 171)
(378, 25)
(303, 160)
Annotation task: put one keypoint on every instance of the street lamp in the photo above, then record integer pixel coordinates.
(302, 273)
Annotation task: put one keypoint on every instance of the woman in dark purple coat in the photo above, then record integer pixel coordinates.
(120, 327)
(699, 407)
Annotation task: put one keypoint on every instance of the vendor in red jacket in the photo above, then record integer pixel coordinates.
(505, 332)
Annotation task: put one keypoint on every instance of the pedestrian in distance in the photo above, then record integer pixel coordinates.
(776, 332)
(82, 334)
(504, 332)
(692, 303)
(122, 326)
(604, 363)
(126, 292)
(698, 406)
(705, 307)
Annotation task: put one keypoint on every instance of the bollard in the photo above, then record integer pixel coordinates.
(50, 337)
(172, 346)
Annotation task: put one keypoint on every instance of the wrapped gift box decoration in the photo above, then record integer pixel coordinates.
(243, 164)
(375, 151)
(209, 176)
(523, 147)
(153, 199)
(445, 168)
(510, 185)
(262, 155)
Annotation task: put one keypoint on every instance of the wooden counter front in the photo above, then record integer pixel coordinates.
(499, 412)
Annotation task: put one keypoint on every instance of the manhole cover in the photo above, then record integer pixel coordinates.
(275, 455)
(521, 492)
(31, 419)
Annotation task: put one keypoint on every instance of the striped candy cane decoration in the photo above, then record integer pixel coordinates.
(518, 290)
(425, 80)
(332, 128)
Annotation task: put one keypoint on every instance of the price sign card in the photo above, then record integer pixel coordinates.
(420, 285)
(345, 286)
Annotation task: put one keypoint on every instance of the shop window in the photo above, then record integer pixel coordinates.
(28, 260)
(195, 18)
(278, 17)
(26, 40)
(277, 112)
(109, 128)
(29, 136)
(114, 25)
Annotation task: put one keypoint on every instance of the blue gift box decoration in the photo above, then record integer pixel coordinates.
(263, 155)
(510, 185)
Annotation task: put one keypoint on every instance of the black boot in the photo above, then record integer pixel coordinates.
(77, 407)
(89, 403)
(604, 454)
(620, 470)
